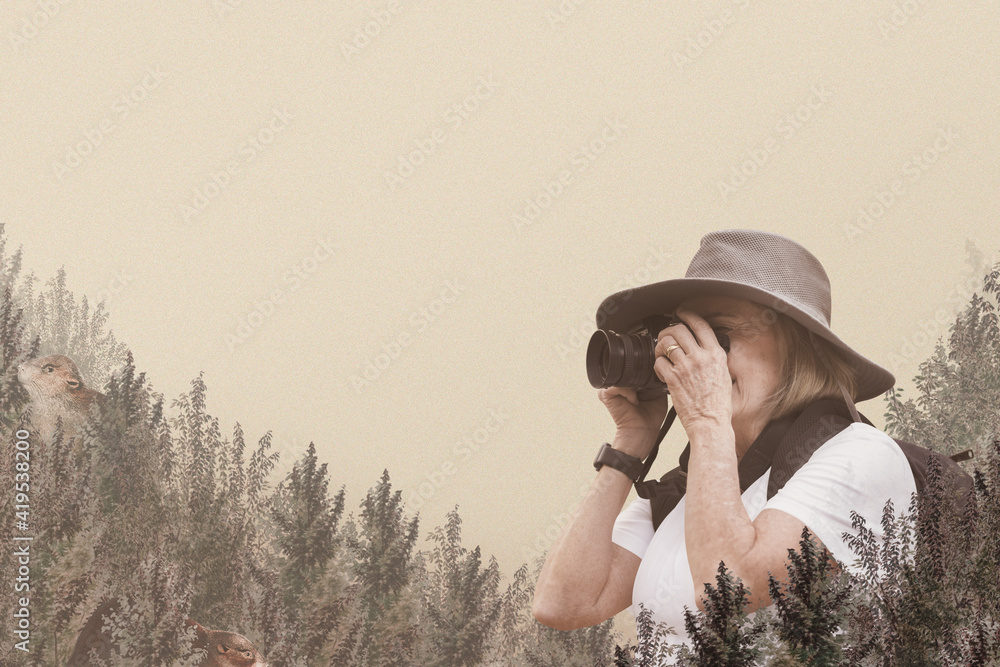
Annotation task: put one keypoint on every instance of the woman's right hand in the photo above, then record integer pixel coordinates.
(638, 421)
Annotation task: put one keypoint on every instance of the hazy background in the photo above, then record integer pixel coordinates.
(184, 160)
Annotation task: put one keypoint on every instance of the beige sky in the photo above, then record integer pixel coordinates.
(278, 193)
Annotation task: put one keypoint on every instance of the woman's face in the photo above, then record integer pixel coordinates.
(754, 359)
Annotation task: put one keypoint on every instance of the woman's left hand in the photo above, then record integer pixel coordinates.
(696, 372)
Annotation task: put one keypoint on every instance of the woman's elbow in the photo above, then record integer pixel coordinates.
(555, 616)
(546, 613)
(550, 614)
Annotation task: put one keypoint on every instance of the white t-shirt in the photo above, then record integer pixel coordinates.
(857, 469)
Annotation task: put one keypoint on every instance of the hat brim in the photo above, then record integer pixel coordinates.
(624, 310)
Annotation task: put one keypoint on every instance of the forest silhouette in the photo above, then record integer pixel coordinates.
(161, 507)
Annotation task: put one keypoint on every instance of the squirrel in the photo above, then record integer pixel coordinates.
(56, 389)
(225, 649)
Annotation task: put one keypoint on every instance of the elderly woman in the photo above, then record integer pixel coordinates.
(772, 298)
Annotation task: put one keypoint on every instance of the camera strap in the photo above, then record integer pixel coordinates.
(651, 488)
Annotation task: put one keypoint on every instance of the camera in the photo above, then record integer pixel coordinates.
(626, 360)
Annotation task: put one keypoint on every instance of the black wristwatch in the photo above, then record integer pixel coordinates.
(626, 463)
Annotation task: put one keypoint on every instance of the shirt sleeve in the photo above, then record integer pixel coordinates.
(859, 469)
(634, 527)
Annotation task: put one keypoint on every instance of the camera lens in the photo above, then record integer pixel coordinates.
(626, 360)
(621, 360)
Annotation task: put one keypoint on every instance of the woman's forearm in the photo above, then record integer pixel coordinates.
(571, 588)
(717, 526)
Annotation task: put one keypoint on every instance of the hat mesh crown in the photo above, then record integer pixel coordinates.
(766, 261)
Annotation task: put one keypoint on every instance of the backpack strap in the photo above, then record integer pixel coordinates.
(814, 427)
(786, 444)
(783, 446)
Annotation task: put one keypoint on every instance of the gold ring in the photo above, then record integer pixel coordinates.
(669, 350)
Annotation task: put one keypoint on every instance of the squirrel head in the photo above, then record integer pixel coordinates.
(50, 375)
(226, 649)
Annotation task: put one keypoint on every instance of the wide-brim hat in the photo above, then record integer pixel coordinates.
(765, 268)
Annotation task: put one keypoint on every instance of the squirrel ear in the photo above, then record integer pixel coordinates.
(200, 631)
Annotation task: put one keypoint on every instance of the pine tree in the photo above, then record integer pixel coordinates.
(810, 607)
(461, 599)
(329, 613)
(723, 636)
(985, 554)
(266, 621)
(958, 387)
(13, 351)
(384, 565)
(651, 647)
(148, 623)
(307, 520)
(510, 634)
(198, 447)
(122, 452)
(385, 544)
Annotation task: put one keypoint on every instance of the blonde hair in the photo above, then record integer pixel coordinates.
(811, 369)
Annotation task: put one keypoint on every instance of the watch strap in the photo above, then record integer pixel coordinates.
(631, 466)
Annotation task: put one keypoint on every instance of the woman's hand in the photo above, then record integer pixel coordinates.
(696, 372)
(638, 421)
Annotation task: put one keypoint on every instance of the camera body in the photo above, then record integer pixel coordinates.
(626, 360)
